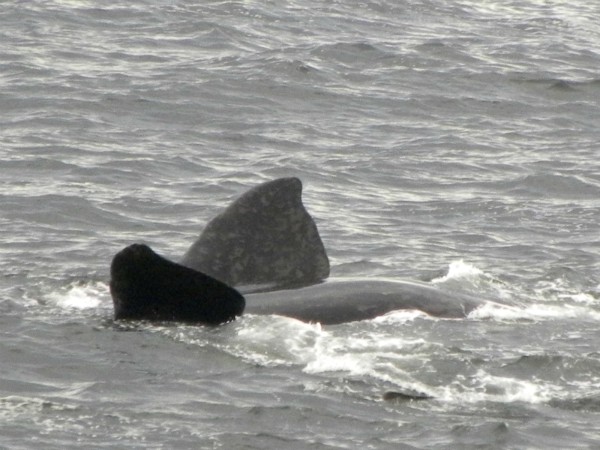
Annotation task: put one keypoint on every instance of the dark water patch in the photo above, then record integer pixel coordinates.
(562, 275)
(562, 85)
(289, 71)
(555, 186)
(63, 214)
(550, 366)
(396, 396)
(478, 434)
(585, 404)
(349, 53)
(11, 308)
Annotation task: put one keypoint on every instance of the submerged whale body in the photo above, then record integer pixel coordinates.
(264, 239)
(339, 301)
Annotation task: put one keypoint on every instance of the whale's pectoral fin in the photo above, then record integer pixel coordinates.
(265, 237)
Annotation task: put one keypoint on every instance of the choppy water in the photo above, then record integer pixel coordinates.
(455, 142)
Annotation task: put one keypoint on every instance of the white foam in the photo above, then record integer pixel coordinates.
(80, 296)
(328, 358)
(583, 298)
(288, 341)
(466, 278)
(284, 341)
(15, 406)
(401, 316)
(374, 355)
(534, 312)
(493, 388)
(459, 270)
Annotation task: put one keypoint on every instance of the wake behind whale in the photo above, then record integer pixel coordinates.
(267, 245)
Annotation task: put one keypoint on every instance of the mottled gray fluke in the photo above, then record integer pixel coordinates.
(264, 238)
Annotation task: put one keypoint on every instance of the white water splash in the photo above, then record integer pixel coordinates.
(459, 270)
(288, 342)
(485, 387)
(80, 296)
(534, 312)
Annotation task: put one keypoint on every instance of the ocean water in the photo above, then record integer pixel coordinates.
(455, 142)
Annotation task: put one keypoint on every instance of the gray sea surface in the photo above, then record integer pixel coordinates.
(452, 142)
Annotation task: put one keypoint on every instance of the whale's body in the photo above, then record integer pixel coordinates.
(339, 301)
(265, 239)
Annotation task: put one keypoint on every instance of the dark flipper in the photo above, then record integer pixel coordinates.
(146, 286)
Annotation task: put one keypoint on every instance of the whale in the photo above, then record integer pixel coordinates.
(147, 286)
(265, 240)
(262, 255)
(339, 301)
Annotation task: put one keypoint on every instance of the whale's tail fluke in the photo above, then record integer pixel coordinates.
(265, 238)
